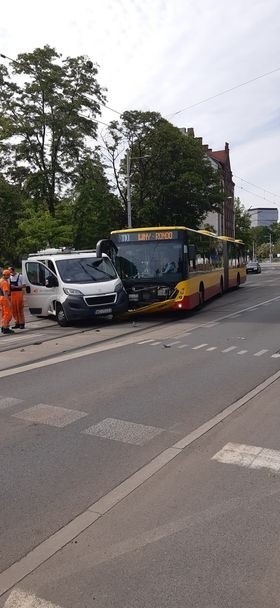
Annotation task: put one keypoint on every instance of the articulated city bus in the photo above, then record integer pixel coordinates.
(176, 268)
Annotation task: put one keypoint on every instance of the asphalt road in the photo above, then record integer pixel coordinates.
(72, 430)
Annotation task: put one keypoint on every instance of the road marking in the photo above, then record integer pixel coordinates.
(19, 338)
(155, 343)
(211, 324)
(124, 431)
(30, 562)
(173, 343)
(6, 402)
(183, 346)
(50, 414)
(199, 346)
(211, 348)
(249, 456)
(242, 352)
(261, 352)
(145, 341)
(120, 342)
(229, 349)
(21, 599)
(275, 356)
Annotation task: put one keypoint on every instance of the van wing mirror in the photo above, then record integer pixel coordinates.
(51, 281)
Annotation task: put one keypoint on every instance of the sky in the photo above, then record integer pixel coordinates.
(164, 56)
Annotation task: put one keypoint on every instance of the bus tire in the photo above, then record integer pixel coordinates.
(61, 316)
(238, 281)
(221, 287)
(201, 296)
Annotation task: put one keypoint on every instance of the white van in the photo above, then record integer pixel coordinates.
(72, 285)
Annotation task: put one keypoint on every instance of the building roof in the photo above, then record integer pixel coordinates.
(219, 155)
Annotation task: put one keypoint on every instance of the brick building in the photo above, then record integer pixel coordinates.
(223, 221)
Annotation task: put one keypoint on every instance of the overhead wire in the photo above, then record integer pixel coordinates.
(255, 194)
(194, 105)
(238, 86)
(255, 186)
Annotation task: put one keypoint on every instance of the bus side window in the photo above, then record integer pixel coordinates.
(191, 250)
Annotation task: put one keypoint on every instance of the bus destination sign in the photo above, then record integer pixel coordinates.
(152, 235)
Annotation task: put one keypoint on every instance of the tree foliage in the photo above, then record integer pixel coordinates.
(10, 210)
(96, 210)
(242, 223)
(172, 182)
(48, 109)
(38, 229)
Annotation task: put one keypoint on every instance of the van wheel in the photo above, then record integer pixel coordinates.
(60, 316)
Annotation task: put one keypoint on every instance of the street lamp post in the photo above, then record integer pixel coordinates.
(270, 246)
(128, 183)
(128, 188)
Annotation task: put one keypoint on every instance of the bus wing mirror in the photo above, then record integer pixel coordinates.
(106, 246)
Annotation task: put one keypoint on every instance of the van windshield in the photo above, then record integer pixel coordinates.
(86, 270)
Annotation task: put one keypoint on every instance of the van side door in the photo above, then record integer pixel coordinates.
(41, 287)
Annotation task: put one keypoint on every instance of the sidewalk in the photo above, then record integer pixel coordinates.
(201, 532)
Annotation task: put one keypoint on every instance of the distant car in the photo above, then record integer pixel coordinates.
(253, 267)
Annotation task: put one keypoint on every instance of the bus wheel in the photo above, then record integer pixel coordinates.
(60, 316)
(238, 281)
(221, 287)
(201, 295)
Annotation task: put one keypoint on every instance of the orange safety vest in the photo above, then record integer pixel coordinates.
(4, 287)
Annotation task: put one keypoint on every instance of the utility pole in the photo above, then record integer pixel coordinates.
(128, 183)
(270, 247)
(128, 196)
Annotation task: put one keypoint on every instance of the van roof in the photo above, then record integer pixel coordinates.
(61, 250)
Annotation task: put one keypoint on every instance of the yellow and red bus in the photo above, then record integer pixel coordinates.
(176, 268)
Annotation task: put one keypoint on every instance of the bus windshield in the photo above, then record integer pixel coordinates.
(151, 260)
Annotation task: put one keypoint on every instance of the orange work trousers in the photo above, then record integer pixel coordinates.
(17, 307)
(6, 312)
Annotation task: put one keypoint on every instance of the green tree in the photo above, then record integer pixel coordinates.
(48, 109)
(96, 210)
(242, 223)
(38, 229)
(172, 182)
(10, 212)
(263, 251)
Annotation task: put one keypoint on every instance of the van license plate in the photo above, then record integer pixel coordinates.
(103, 311)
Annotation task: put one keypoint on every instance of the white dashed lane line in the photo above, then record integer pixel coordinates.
(199, 346)
(230, 349)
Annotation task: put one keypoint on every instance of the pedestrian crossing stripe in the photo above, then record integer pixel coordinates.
(21, 599)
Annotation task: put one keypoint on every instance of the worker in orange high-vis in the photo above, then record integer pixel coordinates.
(16, 284)
(5, 303)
